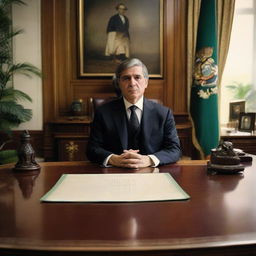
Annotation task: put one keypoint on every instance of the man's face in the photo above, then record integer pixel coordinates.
(121, 9)
(133, 83)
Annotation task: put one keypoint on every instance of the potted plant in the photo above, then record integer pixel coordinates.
(12, 113)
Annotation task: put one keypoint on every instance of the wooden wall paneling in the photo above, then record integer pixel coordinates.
(47, 20)
(62, 56)
(56, 66)
(50, 106)
(97, 89)
(169, 53)
(175, 53)
(180, 86)
(73, 43)
(55, 57)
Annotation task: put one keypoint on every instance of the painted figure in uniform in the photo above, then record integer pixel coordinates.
(118, 38)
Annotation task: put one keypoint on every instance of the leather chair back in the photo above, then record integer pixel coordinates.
(96, 102)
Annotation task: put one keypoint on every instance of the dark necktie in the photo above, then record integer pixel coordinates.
(134, 121)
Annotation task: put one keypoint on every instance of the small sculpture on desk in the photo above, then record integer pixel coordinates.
(26, 155)
(224, 159)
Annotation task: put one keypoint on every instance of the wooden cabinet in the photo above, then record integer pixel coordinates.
(242, 141)
(67, 139)
(185, 136)
(71, 148)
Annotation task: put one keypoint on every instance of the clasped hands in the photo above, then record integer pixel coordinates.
(130, 159)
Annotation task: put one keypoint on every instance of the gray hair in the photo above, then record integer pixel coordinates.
(131, 63)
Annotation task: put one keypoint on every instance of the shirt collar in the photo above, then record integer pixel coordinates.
(138, 104)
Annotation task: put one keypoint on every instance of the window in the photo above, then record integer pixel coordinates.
(239, 77)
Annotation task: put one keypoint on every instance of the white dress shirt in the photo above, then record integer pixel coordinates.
(122, 18)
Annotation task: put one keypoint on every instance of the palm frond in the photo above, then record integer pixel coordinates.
(15, 112)
(239, 90)
(11, 94)
(8, 35)
(6, 126)
(4, 3)
(24, 68)
(21, 68)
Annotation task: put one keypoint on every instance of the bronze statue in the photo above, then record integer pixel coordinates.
(224, 154)
(224, 159)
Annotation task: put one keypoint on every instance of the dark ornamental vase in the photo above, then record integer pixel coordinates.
(77, 107)
(26, 155)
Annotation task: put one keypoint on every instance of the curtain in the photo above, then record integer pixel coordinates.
(225, 13)
(193, 16)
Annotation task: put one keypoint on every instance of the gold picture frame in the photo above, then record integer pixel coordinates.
(145, 19)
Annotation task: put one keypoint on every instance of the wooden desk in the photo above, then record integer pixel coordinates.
(219, 219)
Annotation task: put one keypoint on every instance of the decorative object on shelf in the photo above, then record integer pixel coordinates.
(26, 155)
(235, 108)
(224, 159)
(71, 149)
(246, 122)
(77, 110)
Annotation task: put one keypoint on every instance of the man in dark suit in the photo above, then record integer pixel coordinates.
(118, 35)
(133, 137)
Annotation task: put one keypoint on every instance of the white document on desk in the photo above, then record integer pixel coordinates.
(127, 187)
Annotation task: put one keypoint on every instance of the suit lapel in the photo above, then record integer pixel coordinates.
(147, 118)
(120, 119)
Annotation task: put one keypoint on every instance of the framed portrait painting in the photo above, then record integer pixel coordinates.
(112, 31)
(246, 122)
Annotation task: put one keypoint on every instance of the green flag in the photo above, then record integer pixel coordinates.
(204, 94)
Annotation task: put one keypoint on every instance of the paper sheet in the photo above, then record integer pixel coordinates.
(127, 187)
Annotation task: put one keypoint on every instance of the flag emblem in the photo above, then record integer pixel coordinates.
(206, 71)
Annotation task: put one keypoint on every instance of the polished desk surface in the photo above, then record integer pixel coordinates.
(219, 218)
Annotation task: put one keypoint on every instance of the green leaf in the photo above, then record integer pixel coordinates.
(12, 111)
(24, 68)
(11, 94)
(6, 125)
(7, 153)
(239, 90)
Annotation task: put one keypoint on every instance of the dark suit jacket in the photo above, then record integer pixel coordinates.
(109, 132)
(115, 24)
